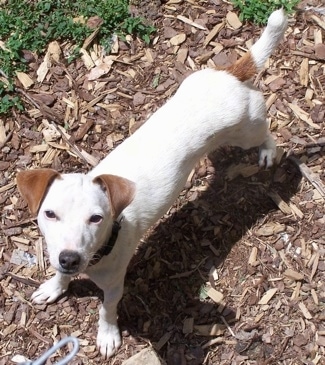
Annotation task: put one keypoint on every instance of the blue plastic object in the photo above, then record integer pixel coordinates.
(53, 349)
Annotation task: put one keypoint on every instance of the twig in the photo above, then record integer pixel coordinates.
(3, 74)
(45, 110)
(188, 273)
(18, 224)
(312, 177)
(9, 135)
(308, 55)
(228, 327)
(72, 146)
(26, 281)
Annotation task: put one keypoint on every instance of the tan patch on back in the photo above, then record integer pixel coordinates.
(244, 68)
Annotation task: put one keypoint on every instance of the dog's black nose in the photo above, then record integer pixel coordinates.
(69, 260)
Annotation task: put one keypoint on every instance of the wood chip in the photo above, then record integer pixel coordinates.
(3, 136)
(270, 228)
(253, 256)
(49, 156)
(188, 325)
(178, 39)
(90, 38)
(293, 275)
(311, 176)
(303, 72)
(267, 296)
(190, 22)
(102, 69)
(233, 20)
(54, 51)
(215, 341)
(43, 68)
(315, 265)
(9, 329)
(305, 311)
(314, 296)
(21, 240)
(296, 211)
(88, 62)
(216, 329)
(26, 81)
(301, 114)
(320, 22)
(270, 100)
(215, 295)
(182, 55)
(7, 187)
(245, 170)
(213, 33)
(163, 340)
(282, 205)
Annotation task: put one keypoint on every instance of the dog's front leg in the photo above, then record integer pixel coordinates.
(49, 291)
(109, 338)
(267, 152)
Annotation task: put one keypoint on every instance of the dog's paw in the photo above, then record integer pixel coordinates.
(267, 153)
(266, 158)
(49, 291)
(108, 340)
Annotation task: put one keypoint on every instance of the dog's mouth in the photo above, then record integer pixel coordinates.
(68, 272)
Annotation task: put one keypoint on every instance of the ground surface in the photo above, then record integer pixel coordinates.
(256, 237)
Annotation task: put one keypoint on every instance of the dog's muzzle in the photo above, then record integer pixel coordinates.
(69, 262)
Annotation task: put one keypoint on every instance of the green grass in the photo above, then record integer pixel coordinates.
(33, 24)
(258, 11)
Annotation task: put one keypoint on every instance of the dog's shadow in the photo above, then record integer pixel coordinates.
(165, 287)
(166, 280)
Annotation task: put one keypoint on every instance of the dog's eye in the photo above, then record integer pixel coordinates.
(50, 214)
(95, 218)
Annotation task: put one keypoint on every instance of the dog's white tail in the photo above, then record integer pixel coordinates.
(270, 38)
(254, 60)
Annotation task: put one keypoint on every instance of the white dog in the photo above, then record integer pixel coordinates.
(92, 223)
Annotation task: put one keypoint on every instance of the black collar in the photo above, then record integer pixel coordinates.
(108, 246)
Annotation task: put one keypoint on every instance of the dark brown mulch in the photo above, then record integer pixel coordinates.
(254, 239)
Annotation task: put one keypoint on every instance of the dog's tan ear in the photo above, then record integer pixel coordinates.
(120, 191)
(33, 184)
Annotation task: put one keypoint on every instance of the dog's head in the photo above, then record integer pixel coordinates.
(75, 212)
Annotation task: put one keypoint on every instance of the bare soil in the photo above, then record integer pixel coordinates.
(255, 237)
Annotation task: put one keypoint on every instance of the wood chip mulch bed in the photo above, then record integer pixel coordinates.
(234, 272)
